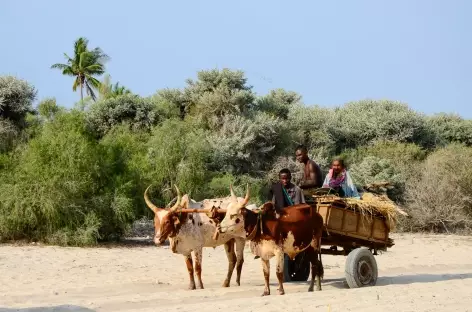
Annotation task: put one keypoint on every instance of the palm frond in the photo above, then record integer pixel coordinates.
(68, 58)
(94, 69)
(94, 82)
(90, 90)
(60, 66)
(76, 84)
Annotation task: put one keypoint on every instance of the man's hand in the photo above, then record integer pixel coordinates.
(307, 184)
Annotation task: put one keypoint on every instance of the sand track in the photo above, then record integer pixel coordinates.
(420, 273)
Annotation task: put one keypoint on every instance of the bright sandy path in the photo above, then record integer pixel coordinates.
(420, 273)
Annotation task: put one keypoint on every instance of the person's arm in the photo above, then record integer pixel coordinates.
(298, 197)
(351, 187)
(326, 181)
(302, 197)
(309, 182)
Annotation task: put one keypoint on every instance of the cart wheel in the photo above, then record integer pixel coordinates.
(297, 270)
(361, 268)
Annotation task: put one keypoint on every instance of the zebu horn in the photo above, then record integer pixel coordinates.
(177, 203)
(216, 234)
(246, 199)
(233, 196)
(151, 206)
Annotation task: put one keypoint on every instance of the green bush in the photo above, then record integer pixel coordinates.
(177, 154)
(360, 123)
(64, 188)
(137, 112)
(75, 177)
(449, 128)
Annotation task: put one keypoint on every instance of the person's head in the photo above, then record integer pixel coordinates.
(301, 153)
(285, 176)
(337, 165)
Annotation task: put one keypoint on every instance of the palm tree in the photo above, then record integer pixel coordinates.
(108, 90)
(84, 66)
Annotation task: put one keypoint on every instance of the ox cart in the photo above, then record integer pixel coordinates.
(359, 235)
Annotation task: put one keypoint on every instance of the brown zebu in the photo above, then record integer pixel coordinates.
(299, 228)
(189, 230)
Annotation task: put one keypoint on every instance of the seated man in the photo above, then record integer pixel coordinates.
(284, 193)
(312, 176)
(340, 180)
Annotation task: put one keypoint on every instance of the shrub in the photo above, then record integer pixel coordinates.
(177, 154)
(63, 189)
(374, 169)
(245, 145)
(137, 112)
(449, 128)
(440, 198)
(16, 99)
(217, 93)
(360, 123)
(308, 125)
(277, 103)
(218, 186)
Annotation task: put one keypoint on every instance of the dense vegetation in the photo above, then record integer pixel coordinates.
(76, 176)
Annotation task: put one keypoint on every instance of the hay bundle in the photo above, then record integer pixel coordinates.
(375, 205)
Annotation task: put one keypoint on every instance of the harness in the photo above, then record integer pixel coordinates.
(258, 223)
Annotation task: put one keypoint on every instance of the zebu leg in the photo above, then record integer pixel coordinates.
(320, 270)
(310, 253)
(316, 268)
(189, 263)
(266, 270)
(229, 249)
(279, 271)
(198, 265)
(240, 244)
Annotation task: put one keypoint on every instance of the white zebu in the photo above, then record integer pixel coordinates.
(190, 232)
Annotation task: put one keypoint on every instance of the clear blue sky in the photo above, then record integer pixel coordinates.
(331, 52)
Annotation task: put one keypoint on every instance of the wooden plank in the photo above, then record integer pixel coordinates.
(335, 219)
(379, 229)
(358, 237)
(350, 222)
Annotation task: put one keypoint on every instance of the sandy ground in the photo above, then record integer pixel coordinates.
(420, 273)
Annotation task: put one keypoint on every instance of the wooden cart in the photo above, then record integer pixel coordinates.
(359, 236)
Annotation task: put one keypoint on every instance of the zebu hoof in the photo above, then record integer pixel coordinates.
(191, 287)
(266, 293)
(226, 284)
(281, 291)
(201, 286)
(310, 289)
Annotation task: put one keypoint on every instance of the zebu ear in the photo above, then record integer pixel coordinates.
(243, 211)
(176, 220)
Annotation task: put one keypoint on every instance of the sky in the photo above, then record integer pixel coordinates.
(331, 52)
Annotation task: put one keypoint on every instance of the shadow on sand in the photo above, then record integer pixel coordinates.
(402, 279)
(61, 308)
(340, 283)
